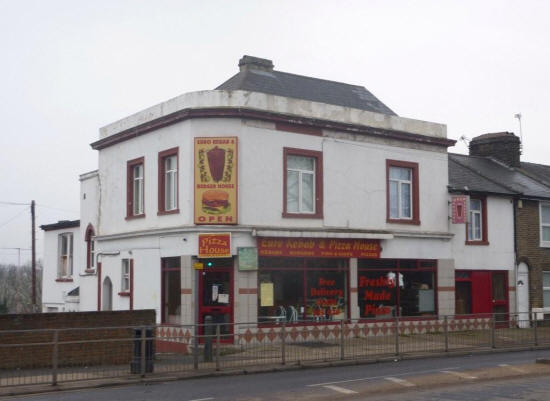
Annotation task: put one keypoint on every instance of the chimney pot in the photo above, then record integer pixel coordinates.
(503, 146)
(255, 63)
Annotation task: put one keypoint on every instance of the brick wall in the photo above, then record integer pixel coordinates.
(529, 250)
(109, 341)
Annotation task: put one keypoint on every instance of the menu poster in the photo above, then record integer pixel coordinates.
(248, 258)
(266, 294)
(216, 180)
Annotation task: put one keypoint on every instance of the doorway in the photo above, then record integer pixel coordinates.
(522, 288)
(171, 290)
(216, 297)
(107, 295)
(482, 292)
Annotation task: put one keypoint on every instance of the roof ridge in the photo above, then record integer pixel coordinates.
(484, 176)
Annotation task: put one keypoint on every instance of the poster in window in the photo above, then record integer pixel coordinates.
(266, 294)
(248, 258)
(216, 180)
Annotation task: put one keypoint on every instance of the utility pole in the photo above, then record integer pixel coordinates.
(33, 248)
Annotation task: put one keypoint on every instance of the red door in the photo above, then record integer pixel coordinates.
(490, 293)
(216, 301)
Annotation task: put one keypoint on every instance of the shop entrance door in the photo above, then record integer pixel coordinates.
(216, 301)
(490, 293)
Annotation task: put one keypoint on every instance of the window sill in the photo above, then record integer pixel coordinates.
(545, 244)
(415, 222)
(124, 294)
(136, 216)
(163, 212)
(64, 280)
(89, 271)
(303, 215)
(476, 243)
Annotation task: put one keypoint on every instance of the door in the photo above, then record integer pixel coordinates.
(107, 295)
(216, 301)
(489, 291)
(171, 290)
(499, 290)
(522, 288)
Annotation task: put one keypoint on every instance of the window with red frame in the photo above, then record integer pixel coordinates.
(476, 227)
(303, 183)
(135, 184)
(168, 181)
(402, 192)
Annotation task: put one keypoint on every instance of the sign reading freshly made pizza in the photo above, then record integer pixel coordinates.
(214, 245)
(216, 180)
(319, 247)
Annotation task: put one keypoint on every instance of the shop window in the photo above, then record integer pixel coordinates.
(304, 289)
(135, 197)
(303, 183)
(402, 192)
(390, 288)
(476, 227)
(168, 181)
(546, 289)
(545, 224)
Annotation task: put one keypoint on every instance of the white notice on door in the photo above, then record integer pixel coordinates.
(215, 293)
(223, 298)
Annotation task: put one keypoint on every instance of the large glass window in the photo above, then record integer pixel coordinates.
(400, 193)
(300, 193)
(389, 288)
(298, 289)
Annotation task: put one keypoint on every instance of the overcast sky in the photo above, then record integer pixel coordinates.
(70, 67)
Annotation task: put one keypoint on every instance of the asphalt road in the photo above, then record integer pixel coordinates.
(348, 382)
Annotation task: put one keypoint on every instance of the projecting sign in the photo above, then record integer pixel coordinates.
(459, 209)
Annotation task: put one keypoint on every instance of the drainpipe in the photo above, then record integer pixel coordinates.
(516, 265)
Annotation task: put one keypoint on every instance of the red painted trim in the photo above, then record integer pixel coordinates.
(186, 291)
(318, 214)
(124, 294)
(353, 289)
(484, 228)
(99, 286)
(162, 182)
(64, 280)
(415, 195)
(226, 112)
(452, 289)
(131, 284)
(298, 128)
(130, 164)
(248, 291)
(89, 271)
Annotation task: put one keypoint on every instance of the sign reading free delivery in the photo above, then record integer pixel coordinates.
(216, 180)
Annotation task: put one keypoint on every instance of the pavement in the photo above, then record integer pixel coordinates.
(410, 377)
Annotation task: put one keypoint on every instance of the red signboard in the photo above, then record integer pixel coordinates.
(319, 247)
(459, 208)
(215, 245)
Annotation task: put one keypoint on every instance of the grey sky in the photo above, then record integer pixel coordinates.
(70, 67)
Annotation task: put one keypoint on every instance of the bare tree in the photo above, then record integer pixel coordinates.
(16, 288)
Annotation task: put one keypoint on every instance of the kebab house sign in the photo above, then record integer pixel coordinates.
(216, 180)
(319, 247)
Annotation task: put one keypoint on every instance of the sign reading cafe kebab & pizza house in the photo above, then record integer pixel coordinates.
(319, 247)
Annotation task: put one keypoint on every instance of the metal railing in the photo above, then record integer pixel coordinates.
(52, 356)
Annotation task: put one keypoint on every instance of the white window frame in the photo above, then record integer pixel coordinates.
(92, 253)
(65, 260)
(544, 289)
(471, 220)
(171, 204)
(400, 183)
(302, 172)
(137, 182)
(125, 275)
(543, 243)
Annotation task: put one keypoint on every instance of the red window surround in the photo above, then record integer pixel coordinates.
(415, 192)
(130, 188)
(162, 178)
(484, 235)
(318, 214)
(89, 262)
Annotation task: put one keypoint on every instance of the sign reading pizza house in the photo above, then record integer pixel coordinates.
(216, 180)
(319, 247)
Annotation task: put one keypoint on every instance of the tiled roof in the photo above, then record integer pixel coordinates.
(60, 225)
(484, 174)
(257, 75)
(540, 172)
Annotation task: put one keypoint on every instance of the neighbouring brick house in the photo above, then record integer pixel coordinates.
(496, 157)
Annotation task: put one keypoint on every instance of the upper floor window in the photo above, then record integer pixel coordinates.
(65, 262)
(135, 188)
(303, 180)
(476, 227)
(545, 224)
(546, 289)
(90, 248)
(402, 192)
(168, 181)
(125, 279)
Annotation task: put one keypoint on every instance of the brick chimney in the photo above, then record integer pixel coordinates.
(503, 146)
(256, 63)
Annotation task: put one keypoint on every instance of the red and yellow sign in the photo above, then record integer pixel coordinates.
(319, 247)
(214, 245)
(459, 208)
(216, 180)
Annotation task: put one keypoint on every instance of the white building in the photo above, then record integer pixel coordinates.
(324, 205)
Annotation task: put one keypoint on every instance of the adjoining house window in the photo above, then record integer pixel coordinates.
(65, 263)
(302, 183)
(476, 227)
(135, 188)
(125, 279)
(168, 181)
(402, 192)
(545, 224)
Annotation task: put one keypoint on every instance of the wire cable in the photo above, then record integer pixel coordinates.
(14, 217)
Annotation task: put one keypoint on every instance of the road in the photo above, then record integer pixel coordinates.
(422, 379)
